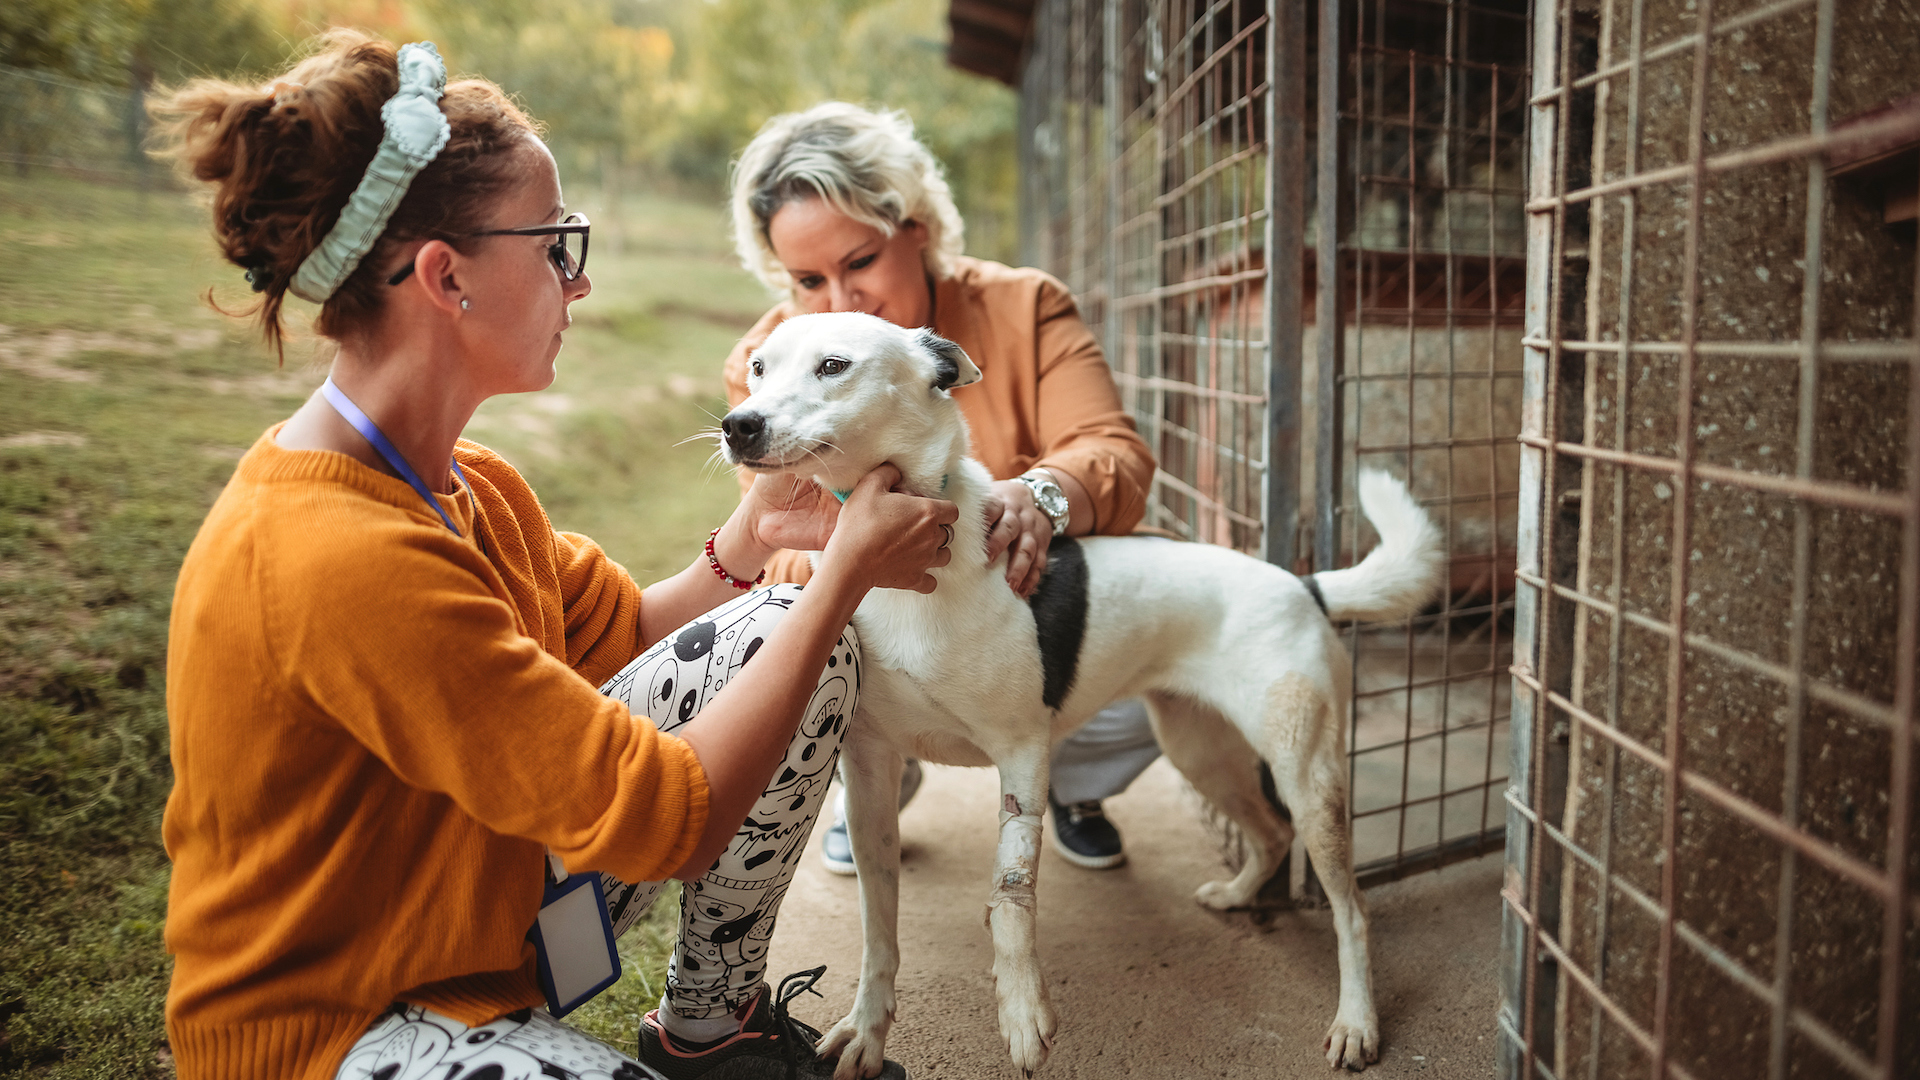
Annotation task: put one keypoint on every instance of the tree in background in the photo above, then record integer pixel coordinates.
(655, 92)
(633, 92)
(122, 42)
(593, 75)
(748, 60)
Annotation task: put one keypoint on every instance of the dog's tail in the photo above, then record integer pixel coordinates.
(1399, 575)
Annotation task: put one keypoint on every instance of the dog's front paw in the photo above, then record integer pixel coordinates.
(1353, 1044)
(1029, 1032)
(1223, 895)
(861, 1050)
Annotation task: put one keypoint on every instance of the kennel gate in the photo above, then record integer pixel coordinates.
(1177, 193)
(1711, 867)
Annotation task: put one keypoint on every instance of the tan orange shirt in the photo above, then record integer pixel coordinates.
(376, 725)
(1045, 397)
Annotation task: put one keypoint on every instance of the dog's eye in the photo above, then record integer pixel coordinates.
(833, 365)
(759, 369)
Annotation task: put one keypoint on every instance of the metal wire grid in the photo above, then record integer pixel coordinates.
(50, 122)
(1170, 110)
(1146, 122)
(1430, 97)
(1711, 867)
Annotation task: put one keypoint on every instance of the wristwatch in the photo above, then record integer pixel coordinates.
(1048, 497)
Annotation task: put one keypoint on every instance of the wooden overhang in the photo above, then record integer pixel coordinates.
(990, 37)
(1884, 165)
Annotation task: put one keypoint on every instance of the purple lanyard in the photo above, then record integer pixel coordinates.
(364, 425)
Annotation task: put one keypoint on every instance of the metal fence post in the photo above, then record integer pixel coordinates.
(1514, 1055)
(1286, 220)
(1331, 338)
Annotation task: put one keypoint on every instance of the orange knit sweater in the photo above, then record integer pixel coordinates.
(376, 725)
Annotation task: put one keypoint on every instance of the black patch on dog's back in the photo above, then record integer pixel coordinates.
(1313, 589)
(1060, 615)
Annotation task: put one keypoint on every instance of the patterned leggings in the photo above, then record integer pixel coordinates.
(726, 917)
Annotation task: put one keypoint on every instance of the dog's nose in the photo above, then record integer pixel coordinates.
(743, 430)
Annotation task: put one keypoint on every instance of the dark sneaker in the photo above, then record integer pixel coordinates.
(1084, 837)
(836, 849)
(770, 1045)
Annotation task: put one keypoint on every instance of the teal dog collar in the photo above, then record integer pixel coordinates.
(842, 495)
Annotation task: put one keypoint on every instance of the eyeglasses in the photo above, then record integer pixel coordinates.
(568, 250)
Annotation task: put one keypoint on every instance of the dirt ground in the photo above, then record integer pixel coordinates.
(1147, 982)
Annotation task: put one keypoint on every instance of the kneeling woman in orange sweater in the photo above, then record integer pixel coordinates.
(397, 788)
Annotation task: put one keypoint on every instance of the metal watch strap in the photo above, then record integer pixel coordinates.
(1047, 491)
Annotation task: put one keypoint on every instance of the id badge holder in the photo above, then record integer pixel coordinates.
(573, 940)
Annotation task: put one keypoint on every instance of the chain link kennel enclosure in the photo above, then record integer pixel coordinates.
(1172, 166)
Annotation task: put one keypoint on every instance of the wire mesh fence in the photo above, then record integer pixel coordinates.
(1146, 180)
(52, 123)
(1711, 861)
(1172, 171)
(1427, 271)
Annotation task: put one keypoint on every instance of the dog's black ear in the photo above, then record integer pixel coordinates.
(951, 365)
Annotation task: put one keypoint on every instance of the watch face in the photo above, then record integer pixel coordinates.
(1050, 499)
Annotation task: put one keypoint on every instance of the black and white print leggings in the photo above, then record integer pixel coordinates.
(726, 917)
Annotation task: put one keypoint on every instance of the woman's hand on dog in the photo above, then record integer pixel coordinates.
(891, 538)
(1016, 525)
(786, 511)
(887, 538)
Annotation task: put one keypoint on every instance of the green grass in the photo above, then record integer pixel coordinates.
(124, 402)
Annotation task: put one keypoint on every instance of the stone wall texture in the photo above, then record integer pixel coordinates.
(1740, 557)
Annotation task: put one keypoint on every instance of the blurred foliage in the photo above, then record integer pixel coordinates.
(751, 59)
(635, 93)
(118, 42)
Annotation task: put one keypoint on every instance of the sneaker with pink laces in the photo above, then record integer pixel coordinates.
(770, 1045)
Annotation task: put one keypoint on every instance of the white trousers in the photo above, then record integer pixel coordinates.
(1102, 758)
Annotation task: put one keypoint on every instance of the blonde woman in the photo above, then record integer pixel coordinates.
(841, 208)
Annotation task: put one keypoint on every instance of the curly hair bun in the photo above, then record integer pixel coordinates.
(282, 159)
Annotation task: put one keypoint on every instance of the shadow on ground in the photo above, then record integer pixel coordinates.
(1147, 982)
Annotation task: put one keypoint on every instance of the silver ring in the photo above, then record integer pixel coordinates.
(949, 531)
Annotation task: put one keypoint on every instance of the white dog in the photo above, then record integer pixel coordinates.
(1235, 658)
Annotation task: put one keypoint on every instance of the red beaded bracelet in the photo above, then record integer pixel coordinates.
(714, 561)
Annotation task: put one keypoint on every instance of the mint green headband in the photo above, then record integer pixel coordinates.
(416, 131)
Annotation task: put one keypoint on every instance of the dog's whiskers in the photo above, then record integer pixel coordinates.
(713, 433)
(814, 451)
(715, 464)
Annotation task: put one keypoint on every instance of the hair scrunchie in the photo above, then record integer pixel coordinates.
(416, 131)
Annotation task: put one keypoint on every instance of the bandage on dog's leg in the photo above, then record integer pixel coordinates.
(1027, 1019)
(871, 771)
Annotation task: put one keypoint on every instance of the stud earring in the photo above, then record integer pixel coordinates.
(465, 304)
